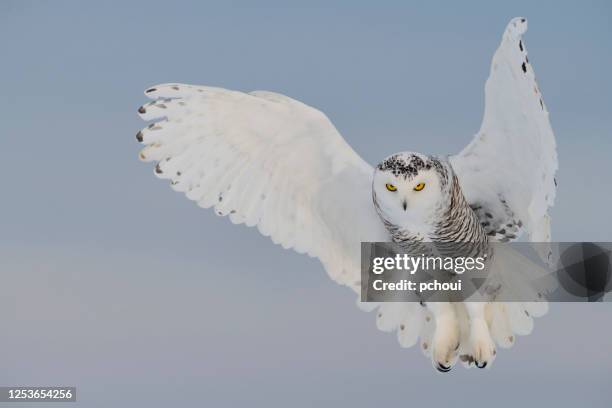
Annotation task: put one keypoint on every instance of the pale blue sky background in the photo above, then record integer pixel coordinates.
(115, 284)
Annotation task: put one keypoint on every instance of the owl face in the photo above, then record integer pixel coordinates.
(408, 188)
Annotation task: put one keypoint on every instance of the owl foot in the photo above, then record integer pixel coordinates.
(445, 343)
(483, 347)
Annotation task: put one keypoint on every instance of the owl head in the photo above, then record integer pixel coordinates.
(409, 188)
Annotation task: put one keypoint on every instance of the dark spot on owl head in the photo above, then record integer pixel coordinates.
(524, 66)
(403, 165)
(521, 45)
(409, 164)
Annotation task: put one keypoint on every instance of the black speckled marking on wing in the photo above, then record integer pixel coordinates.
(502, 226)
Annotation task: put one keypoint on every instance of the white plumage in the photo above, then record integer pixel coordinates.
(514, 153)
(266, 160)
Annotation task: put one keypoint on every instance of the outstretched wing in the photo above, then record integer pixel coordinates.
(269, 161)
(507, 172)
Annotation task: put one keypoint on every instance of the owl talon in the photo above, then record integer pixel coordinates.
(479, 365)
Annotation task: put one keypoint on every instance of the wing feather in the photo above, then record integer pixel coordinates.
(269, 161)
(507, 172)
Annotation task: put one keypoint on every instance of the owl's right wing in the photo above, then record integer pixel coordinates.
(265, 160)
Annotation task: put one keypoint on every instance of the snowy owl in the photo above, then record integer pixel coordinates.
(266, 160)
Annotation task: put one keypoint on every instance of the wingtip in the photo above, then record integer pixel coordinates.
(516, 27)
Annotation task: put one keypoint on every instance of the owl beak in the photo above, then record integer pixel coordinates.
(405, 204)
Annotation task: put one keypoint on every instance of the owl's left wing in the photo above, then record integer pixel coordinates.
(507, 172)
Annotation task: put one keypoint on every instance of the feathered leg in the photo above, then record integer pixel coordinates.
(483, 347)
(446, 337)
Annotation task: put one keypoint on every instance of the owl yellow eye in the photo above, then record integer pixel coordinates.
(391, 187)
(419, 187)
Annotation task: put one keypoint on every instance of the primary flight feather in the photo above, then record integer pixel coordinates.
(266, 160)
